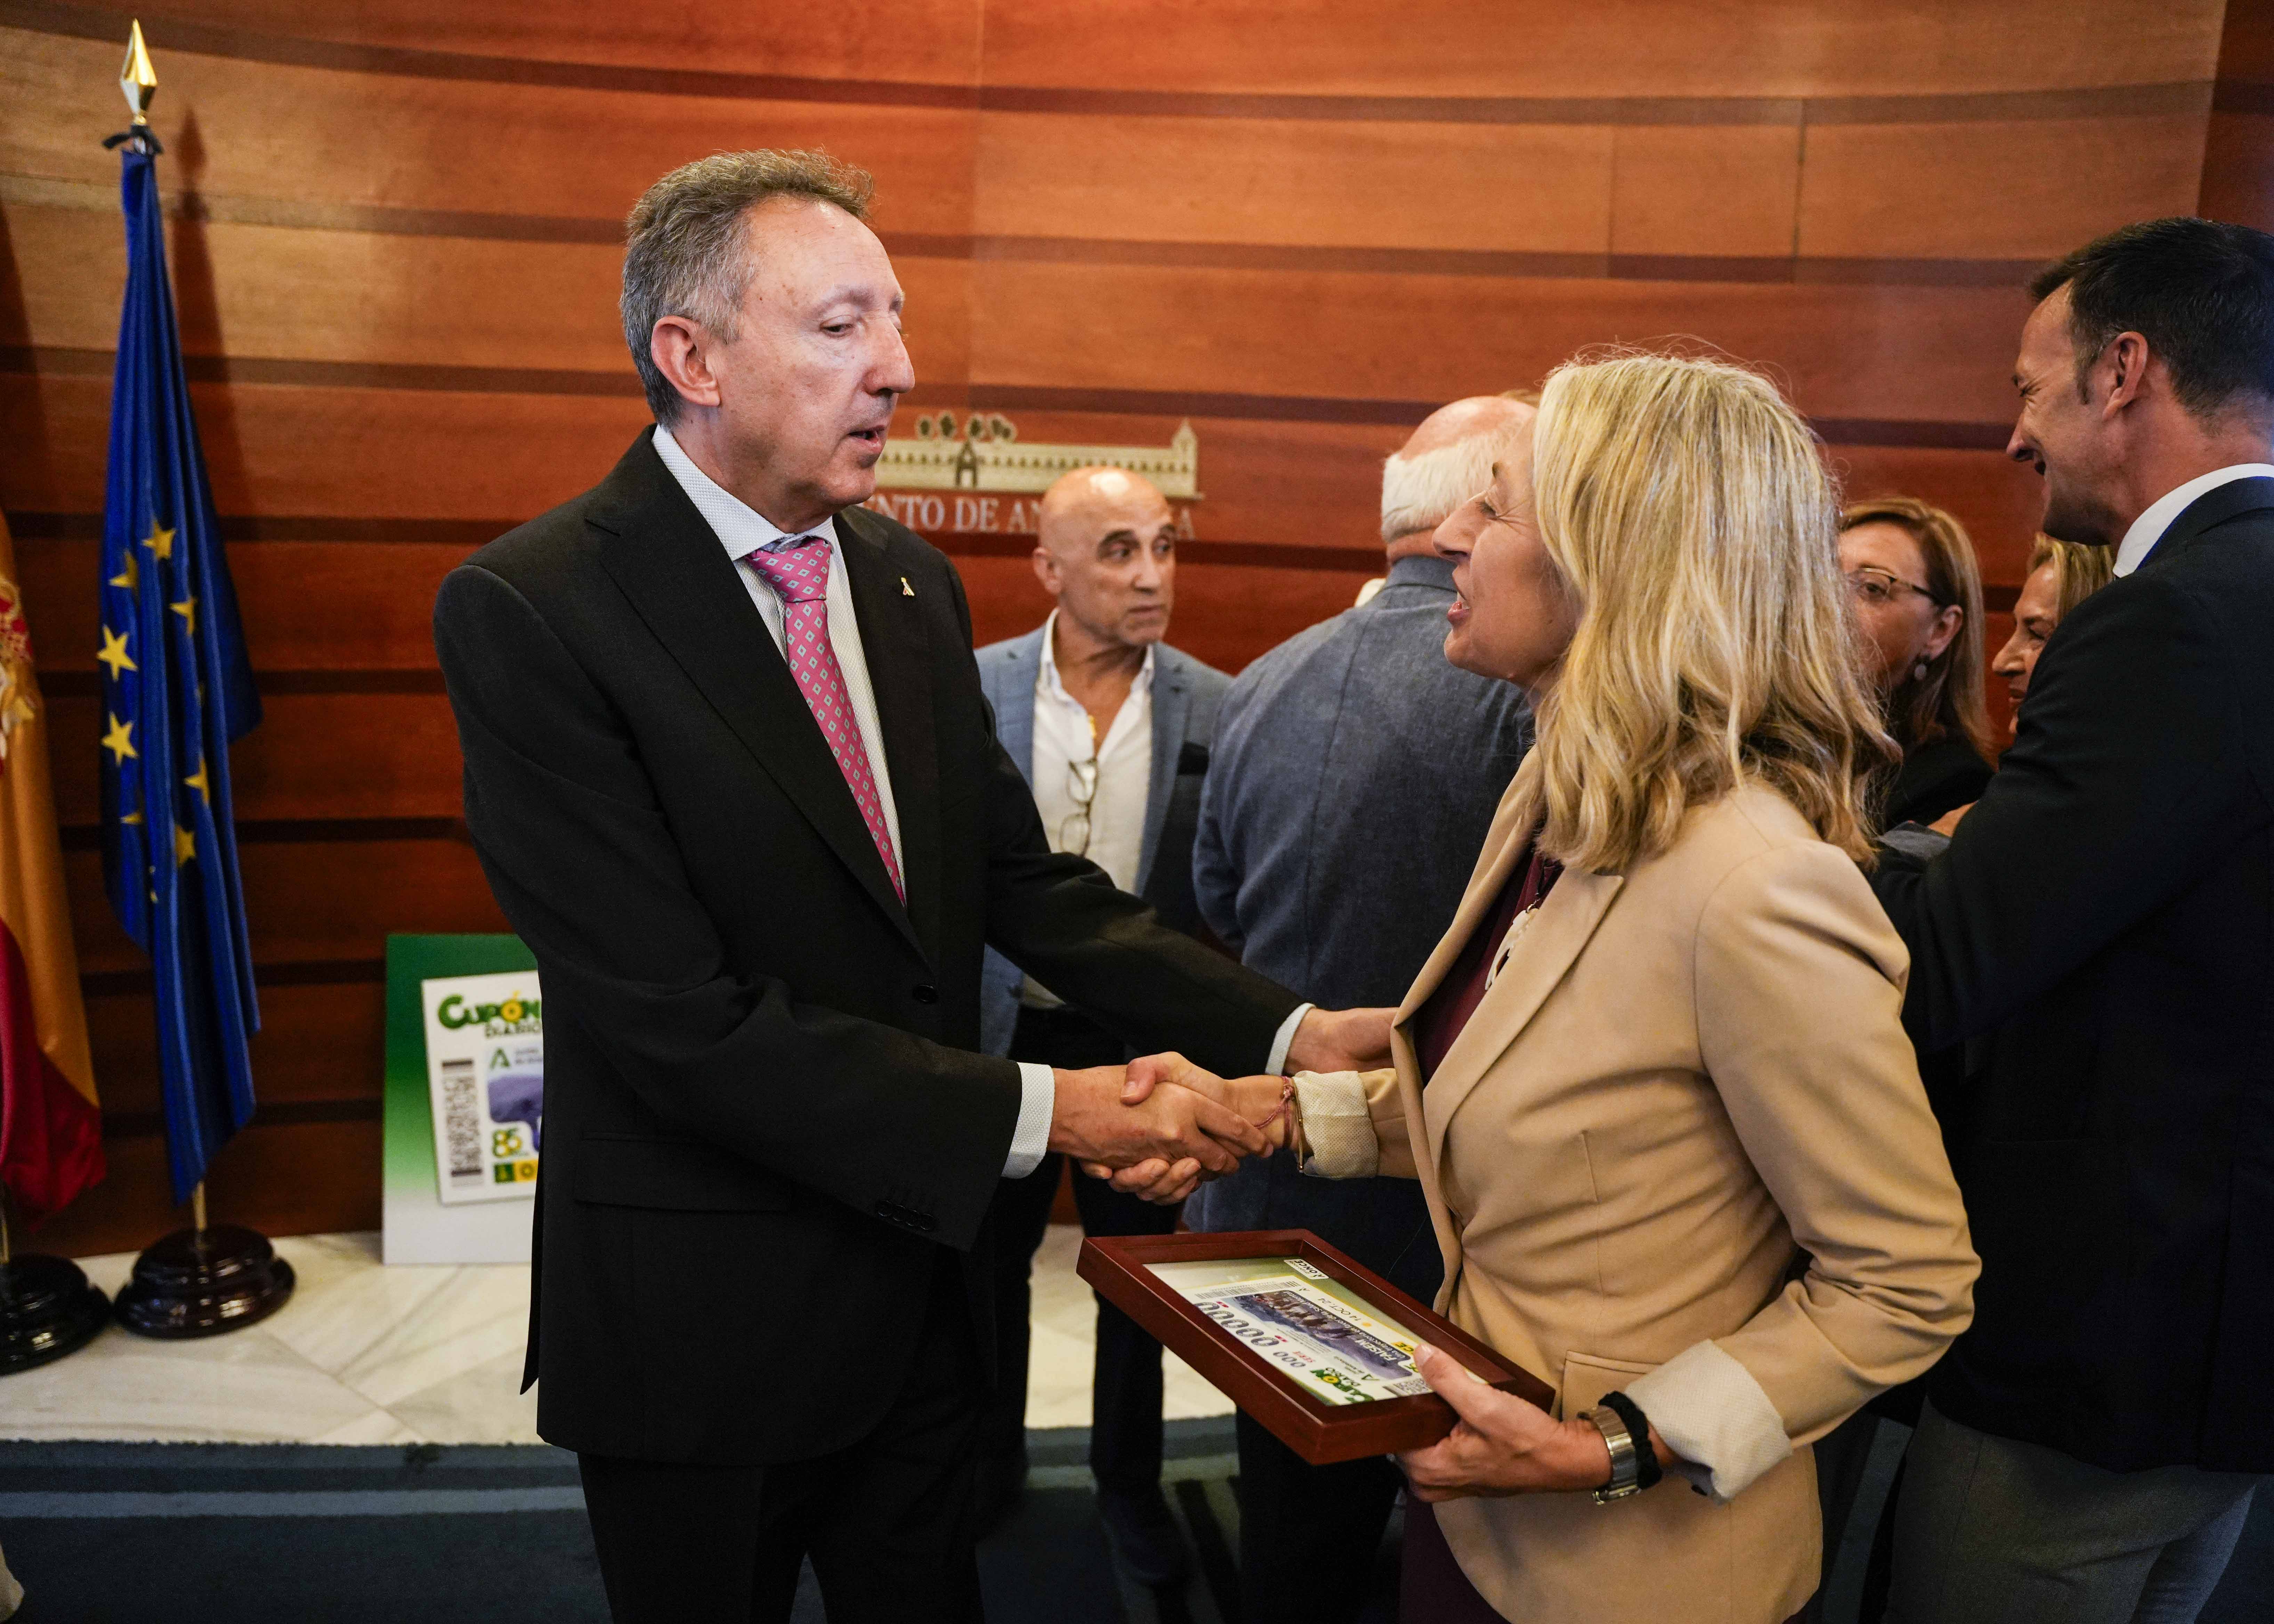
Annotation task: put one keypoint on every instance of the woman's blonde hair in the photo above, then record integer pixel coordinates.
(1688, 509)
(2078, 571)
(1950, 697)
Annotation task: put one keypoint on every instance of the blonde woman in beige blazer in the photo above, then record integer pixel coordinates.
(1669, 1126)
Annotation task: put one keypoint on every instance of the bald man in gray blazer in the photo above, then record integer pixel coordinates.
(1112, 727)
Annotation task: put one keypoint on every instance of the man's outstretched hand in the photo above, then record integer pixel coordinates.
(1341, 1041)
(1095, 1122)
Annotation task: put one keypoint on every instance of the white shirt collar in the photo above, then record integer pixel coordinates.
(2148, 528)
(1142, 682)
(741, 529)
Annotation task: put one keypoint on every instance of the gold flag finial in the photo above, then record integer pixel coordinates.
(137, 77)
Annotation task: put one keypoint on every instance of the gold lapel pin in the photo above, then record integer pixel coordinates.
(906, 590)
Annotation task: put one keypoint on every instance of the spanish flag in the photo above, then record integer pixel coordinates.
(50, 1130)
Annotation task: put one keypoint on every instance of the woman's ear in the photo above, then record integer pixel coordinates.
(1939, 635)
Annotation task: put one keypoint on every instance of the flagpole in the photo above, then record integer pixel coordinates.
(200, 1281)
(47, 1308)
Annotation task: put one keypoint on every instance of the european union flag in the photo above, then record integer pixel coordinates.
(177, 689)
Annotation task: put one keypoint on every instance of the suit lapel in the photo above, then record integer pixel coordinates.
(1504, 843)
(667, 562)
(899, 652)
(1014, 712)
(1172, 701)
(2213, 507)
(1553, 940)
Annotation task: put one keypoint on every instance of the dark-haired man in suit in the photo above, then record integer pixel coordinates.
(731, 774)
(2089, 1446)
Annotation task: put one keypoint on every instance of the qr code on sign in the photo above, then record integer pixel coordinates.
(462, 1119)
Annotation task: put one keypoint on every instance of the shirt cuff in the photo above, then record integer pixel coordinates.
(1031, 1140)
(1715, 1417)
(1275, 1064)
(1337, 1129)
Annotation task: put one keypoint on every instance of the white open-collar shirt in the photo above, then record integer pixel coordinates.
(1064, 734)
(742, 529)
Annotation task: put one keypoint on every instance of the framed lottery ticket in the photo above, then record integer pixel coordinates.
(1312, 1345)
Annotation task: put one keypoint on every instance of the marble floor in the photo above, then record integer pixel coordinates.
(365, 1354)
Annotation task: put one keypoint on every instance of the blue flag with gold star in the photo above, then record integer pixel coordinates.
(177, 689)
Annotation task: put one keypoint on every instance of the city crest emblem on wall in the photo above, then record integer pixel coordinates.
(967, 472)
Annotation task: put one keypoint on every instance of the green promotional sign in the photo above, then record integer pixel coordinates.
(466, 1050)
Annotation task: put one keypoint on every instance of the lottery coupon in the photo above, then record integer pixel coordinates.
(485, 1065)
(1311, 1326)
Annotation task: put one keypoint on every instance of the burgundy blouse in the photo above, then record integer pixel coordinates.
(1446, 1010)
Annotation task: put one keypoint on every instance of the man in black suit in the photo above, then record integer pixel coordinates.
(732, 776)
(2089, 1447)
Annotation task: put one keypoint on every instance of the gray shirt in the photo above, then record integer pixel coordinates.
(1354, 776)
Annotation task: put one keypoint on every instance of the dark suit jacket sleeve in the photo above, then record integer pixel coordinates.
(583, 859)
(2106, 804)
(1063, 922)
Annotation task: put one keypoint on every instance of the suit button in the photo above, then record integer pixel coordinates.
(924, 992)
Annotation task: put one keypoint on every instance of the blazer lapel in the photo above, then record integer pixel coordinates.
(1504, 843)
(1560, 929)
(1014, 709)
(670, 566)
(1172, 703)
(2214, 507)
(899, 652)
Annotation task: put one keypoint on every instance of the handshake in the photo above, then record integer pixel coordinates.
(1161, 1125)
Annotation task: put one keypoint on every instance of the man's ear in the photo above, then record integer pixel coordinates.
(681, 350)
(2123, 368)
(1046, 571)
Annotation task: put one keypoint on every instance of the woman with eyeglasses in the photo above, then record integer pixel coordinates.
(1918, 597)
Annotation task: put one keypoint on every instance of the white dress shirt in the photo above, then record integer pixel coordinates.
(2148, 528)
(1063, 736)
(742, 529)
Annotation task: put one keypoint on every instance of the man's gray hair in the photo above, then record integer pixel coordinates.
(684, 249)
(1420, 492)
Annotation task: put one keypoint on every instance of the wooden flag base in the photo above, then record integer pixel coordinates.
(47, 1309)
(203, 1282)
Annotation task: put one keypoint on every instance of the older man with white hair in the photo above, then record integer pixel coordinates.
(1353, 763)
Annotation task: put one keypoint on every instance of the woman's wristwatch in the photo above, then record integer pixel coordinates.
(1626, 1432)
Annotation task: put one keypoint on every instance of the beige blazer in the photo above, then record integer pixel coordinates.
(1680, 1149)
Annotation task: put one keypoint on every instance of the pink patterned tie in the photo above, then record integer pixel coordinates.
(798, 574)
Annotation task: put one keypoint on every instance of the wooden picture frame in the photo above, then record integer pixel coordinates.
(1322, 1432)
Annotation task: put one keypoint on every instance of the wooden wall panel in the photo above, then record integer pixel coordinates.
(1705, 189)
(321, 1043)
(1848, 351)
(2237, 177)
(1510, 187)
(258, 136)
(402, 454)
(1919, 189)
(1616, 48)
(288, 1178)
(307, 606)
(1299, 226)
(313, 757)
(925, 41)
(349, 298)
(322, 901)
